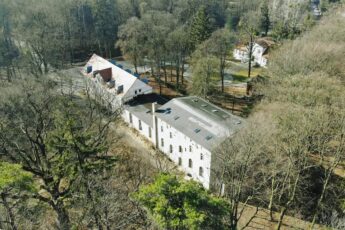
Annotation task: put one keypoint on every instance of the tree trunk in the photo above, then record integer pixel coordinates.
(324, 187)
(108, 227)
(152, 71)
(9, 75)
(250, 56)
(63, 218)
(221, 70)
(177, 74)
(9, 211)
(182, 72)
(165, 73)
(171, 74)
(281, 216)
(271, 199)
(287, 205)
(136, 65)
(95, 213)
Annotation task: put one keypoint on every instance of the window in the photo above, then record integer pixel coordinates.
(140, 127)
(139, 90)
(171, 148)
(190, 148)
(130, 118)
(162, 142)
(190, 163)
(170, 135)
(179, 161)
(201, 156)
(150, 132)
(201, 171)
(135, 92)
(120, 89)
(162, 128)
(180, 149)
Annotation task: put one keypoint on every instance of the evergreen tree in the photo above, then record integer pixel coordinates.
(8, 51)
(200, 27)
(265, 21)
(105, 25)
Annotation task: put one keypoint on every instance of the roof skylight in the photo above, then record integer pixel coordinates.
(209, 137)
(197, 130)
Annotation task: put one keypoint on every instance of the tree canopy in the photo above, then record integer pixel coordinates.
(177, 204)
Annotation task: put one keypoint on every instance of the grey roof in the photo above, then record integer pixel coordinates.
(141, 106)
(200, 120)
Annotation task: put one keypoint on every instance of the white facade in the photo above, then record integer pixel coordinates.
(135, 122)
(191, 157)
(126, 86)
(242, 54)
(103, 93)
(185, 129)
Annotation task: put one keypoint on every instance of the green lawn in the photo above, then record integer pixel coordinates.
(242, 75)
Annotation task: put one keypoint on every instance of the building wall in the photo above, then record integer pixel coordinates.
(258, 52)
(139, 125)
(172, 138)
(100, 92)
(190, 150)
(240, 54)
(138, 88)
(183, 150)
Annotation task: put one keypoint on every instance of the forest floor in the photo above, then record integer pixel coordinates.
(259, 218)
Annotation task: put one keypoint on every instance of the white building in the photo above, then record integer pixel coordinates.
(186, 129)
(260, 52)
(116, 84)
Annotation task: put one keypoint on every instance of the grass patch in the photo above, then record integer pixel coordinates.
(241, 76)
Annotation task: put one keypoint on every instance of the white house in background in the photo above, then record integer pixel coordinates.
(240, 53)
(115, 83)
(260, 52)
(186, 129)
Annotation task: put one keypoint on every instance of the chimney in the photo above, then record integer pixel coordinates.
(154, 125)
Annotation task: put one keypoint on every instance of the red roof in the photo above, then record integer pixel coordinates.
(106, 74)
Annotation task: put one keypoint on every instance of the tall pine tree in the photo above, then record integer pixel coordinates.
(265, 21)
(105, 25)
(200, 27)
